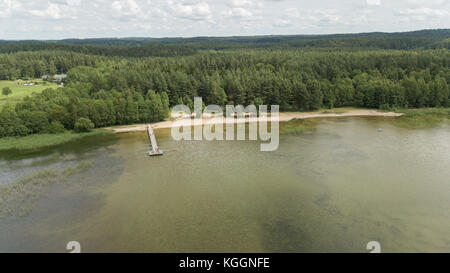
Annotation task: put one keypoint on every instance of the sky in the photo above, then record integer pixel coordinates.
(58, 19)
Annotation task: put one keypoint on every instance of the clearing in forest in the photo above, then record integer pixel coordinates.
(20, 90)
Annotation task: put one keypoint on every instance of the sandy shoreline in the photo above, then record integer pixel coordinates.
(285, 116)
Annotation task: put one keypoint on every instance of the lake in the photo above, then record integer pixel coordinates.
(333, 189)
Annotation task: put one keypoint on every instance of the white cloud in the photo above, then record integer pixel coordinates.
(241, 3)
(282, 23)
(243, 9)
(126, 9)
(191, 10)
(53, 11)
(292, 13)
(7, 7)
(35, 19)
(73, 3)
(424, 12)
(238, 13)
(426, 2)
(373, 2)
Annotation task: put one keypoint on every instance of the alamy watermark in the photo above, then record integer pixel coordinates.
(73, 247)
(374, 247)
(208, 124)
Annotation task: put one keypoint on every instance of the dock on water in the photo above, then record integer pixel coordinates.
(154, 149)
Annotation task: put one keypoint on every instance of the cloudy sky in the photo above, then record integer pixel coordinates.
(55, 19)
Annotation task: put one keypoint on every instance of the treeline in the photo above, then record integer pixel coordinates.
(294, 80)
(146, 50)
(175, 47)
(25, 65)
(332, 43)
(406, 43)
(116, 91)
(54, 111)
(423, 39)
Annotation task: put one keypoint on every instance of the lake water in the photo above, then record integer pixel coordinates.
(330, 190)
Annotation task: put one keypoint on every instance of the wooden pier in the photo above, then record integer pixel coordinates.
(154, 149)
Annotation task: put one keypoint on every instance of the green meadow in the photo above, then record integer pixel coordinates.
(19, 90)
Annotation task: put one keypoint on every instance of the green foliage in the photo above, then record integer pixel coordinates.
(35, 121)
(84, 125)
(6, 91)
(298, 126)
(147, 50)
(422, 118)
(20, 91)
(10, 123)
(109, 86)
(55, 127)
(171, 47)
(40, 141)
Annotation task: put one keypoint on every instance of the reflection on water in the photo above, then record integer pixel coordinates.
(331, 190)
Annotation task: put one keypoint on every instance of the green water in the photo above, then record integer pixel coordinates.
(330, 190)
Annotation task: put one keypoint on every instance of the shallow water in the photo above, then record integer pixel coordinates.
(330, 190)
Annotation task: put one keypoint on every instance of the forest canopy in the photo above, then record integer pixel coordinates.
(111, 82)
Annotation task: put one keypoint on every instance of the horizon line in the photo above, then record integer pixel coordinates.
(226, 36)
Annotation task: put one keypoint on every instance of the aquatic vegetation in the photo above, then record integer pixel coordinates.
(298, 126)
(71, 170)
(19, 197)
(35, 142)
(422, 118)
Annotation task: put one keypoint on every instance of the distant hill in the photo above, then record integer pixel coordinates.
(164, 47)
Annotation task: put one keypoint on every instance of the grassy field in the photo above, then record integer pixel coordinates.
(39, 141)
(20, 91)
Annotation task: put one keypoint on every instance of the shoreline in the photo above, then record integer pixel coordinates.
(408, 118)
(40, 141)
(284, 117)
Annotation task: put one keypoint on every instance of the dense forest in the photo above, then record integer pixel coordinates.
(116, 82)
(164, 47)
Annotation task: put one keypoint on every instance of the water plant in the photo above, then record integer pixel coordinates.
(422, 118)
(40, 141)
(298, 126)
(19, 197)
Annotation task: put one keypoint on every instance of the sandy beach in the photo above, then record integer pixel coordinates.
(284, 116)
